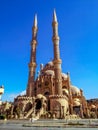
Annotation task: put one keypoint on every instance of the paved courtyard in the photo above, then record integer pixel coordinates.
(46, 125)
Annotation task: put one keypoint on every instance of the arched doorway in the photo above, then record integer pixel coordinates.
(38, 104)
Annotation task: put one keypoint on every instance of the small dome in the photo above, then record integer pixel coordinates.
(76, 103)
(41, 96)
(75, 90)
(49, 72)
(50, 63)
(64, 75)
(93, 106)
(65, 91)
(77, 99)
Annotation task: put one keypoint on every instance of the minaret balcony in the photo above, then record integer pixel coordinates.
(55, 38)
(33, 42)
(33, 64)
(57, 61)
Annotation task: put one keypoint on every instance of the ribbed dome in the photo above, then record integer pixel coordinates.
(75, 90)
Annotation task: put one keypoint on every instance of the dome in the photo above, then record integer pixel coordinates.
(75, 90)
(48, 66)
(50, 63)
(65, 91)
(76, 103)
(77, 99)
(41, 96)
(49, 72)
(93, 106)
(64, 75)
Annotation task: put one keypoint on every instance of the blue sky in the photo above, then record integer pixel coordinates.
(78, 31)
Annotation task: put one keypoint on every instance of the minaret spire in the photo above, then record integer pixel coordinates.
(54, 16)
(32, 64)
(57, 60)
(35, 21)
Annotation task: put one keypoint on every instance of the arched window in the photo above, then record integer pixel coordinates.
(46, 83)
(46, 93)
(39, 85)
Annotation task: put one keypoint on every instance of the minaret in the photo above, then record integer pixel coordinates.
(57, 99)
(32, 65)
(57, 61)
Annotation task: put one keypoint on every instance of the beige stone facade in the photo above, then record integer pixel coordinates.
(93, 107)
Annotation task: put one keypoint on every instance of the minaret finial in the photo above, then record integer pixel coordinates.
(54, 16)
(35, 20)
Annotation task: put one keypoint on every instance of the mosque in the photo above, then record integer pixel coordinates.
(52, 91)
(51, 94)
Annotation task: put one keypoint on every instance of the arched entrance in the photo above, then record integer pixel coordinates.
(57, 109)
(38, 104)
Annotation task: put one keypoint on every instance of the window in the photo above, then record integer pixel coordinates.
(46, 93)
(39, 85)
(46, 83)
